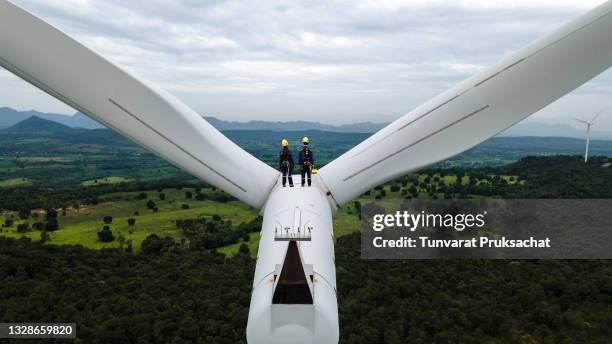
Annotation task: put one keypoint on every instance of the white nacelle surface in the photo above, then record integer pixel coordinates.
(317, 323)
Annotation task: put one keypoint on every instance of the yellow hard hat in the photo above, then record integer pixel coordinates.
(285, 143)
(305, 140)
(314, 170)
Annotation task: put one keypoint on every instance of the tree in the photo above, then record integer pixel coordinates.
(106, 235)
(121, 240)
(51, 214)
(131, 221)
(51, 225)
(44, 236)
(244, 249)
(185, 206)
(8, 222)
(150, 204)
(153, 244)
(108, 219)
(188, 195)
(162, 196)
(358, 208)
(24, 213)
(23, 227)
(200, 196)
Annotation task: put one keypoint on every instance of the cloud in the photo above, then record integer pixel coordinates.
(329, 61)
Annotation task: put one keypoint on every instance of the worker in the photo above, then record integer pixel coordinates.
(285, 163)
(306, 161)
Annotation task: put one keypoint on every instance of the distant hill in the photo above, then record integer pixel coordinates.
(553, 130)
(37, 125)
(10, 117)
(363, 127)
(39, 137)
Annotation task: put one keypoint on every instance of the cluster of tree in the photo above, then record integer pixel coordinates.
(214, 232)
(175, 293)
(180, 296)
(27, 198)
(471, 301)
(106, 235)
(171, 295)
(153, 244)
(218, 196)
(530, 177)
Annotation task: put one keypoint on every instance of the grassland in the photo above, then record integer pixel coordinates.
(79, 225)
(106, 180)
(14, 182)
(34, 159)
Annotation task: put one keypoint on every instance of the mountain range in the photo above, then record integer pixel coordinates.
(40, 137)
(10, 117)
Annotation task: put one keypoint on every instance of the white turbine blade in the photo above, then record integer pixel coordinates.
(582, 121)
(477, 108)
(65, 69)
(594, 118)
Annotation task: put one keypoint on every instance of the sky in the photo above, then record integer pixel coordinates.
(319, 60)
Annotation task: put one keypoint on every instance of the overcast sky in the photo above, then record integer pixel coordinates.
(328, 61)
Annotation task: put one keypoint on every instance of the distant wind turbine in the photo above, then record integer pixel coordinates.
(588, 133)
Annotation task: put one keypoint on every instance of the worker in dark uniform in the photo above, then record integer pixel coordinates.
(306, 161)
(285, 163)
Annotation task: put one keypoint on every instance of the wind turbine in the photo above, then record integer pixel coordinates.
(588, 133)
(294, 288)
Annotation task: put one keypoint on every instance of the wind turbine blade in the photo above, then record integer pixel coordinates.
(582, 121)
(70, 72)
(477, 108)
(594, 118)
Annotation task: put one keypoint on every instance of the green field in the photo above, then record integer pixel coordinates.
(106, 180)
(41, 159)
(80, 226)
(14, 182)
